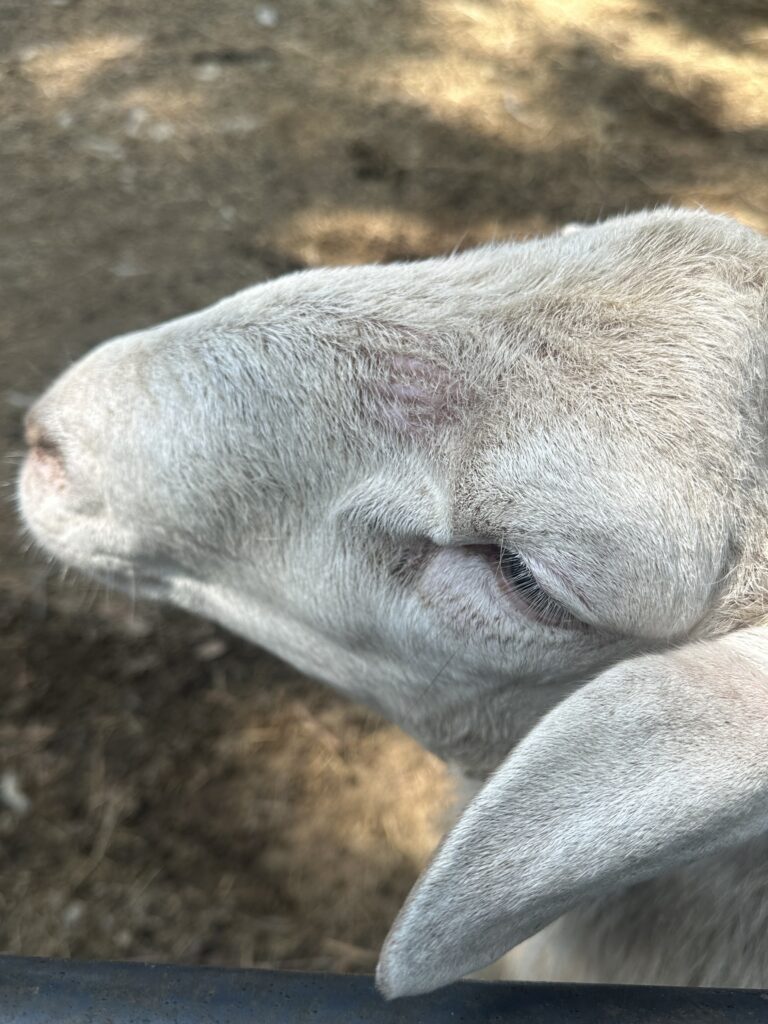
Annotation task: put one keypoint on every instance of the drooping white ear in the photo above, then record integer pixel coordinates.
(655, 763)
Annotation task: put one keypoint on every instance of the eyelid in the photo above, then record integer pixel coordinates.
(559, 586)
(522, 589)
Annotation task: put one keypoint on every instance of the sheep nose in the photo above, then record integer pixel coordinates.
(44, 452)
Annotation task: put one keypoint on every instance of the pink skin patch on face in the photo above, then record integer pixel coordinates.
(417, 394)
(48, 467)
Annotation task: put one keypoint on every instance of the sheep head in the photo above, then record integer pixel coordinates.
(457, 489)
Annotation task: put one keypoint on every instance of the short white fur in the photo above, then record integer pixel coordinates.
(321, 462)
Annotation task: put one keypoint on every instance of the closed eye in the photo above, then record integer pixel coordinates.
(520, 586)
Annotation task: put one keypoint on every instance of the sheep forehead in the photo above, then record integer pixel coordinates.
(615, 308)
(642, 328)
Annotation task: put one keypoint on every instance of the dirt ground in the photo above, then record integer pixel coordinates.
(167, 791)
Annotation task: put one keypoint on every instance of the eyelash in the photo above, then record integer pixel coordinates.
(516, 576)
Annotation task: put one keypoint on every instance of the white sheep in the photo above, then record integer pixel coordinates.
(515, 499)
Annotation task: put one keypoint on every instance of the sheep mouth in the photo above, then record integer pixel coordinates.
(87, 541)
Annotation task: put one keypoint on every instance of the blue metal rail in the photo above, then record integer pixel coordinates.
(37, 991)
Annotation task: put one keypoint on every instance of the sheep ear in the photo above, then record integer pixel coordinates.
(655, 763)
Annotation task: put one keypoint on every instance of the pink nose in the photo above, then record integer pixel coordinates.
(44, 453)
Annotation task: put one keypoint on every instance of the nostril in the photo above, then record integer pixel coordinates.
(45, 455)
(36, 436)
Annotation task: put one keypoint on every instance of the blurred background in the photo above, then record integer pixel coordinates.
(166, 791)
